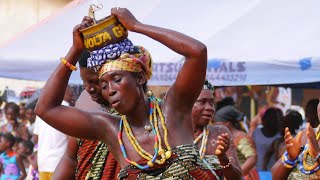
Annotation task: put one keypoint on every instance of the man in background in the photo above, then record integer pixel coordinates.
(51, 142)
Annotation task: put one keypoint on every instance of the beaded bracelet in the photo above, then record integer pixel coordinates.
(288, 163)
(66, 63)
(227, 165)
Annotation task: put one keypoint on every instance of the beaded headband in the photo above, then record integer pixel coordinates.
(208, 85)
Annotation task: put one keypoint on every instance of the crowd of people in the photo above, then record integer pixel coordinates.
(117, 129)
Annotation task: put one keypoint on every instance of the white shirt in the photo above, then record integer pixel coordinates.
(51, 145)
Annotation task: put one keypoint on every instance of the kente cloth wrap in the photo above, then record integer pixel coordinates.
(183, 164)
(109, 52)
(95, 161)
(244, 148)
(136, 62)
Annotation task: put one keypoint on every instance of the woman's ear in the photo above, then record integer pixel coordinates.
(142, 78)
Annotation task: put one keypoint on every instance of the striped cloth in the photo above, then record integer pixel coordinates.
(184, 164)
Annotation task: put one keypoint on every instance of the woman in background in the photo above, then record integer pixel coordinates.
(230, 117)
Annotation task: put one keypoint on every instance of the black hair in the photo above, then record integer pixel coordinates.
(10, 138)
(292, 120)
(225, 102)
(31, 106)
(27, 144)
(312, 113)
(271, 119)
(13, 106)
(83, 59)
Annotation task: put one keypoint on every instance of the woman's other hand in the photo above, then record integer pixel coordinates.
(125, 17)
(292, 144)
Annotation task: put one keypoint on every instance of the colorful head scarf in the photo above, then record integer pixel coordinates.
(111, 51)
(136, 62)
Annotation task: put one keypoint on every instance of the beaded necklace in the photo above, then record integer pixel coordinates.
(204, 135)
(303, 166)
(158, 150)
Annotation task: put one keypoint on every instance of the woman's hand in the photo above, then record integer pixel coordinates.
(312, 141)
(125, 17)
(223, 144)
(77, 35)
(292, 144)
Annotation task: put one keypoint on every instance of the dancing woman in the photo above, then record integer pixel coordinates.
(157, 142)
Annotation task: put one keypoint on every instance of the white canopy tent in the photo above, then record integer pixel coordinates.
(249, 41)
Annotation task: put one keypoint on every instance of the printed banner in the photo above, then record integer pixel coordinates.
(223, 72)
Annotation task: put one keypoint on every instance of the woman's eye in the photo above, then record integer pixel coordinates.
(104, 87)
(117, 80)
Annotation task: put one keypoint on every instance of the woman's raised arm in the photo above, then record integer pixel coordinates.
(191, 77)
(68, 120)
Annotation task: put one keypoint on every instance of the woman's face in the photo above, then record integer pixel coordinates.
(22, 150)
(22, 111)
(11, 116)
(122, 90)
(91, 84)
(30, 115)
(203, 109)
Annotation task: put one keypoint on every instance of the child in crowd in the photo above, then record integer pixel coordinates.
(11, 164)
(33, 173)
(13, 126)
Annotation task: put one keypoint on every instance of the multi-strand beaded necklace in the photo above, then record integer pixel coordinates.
(204, 135)
(158, 150)
(303, 165)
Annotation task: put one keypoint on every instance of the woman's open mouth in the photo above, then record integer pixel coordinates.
(115, 104)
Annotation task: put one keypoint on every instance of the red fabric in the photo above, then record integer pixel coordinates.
(111, 169)
(85, 154)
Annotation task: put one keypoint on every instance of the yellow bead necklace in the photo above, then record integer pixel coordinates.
(159, 151)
